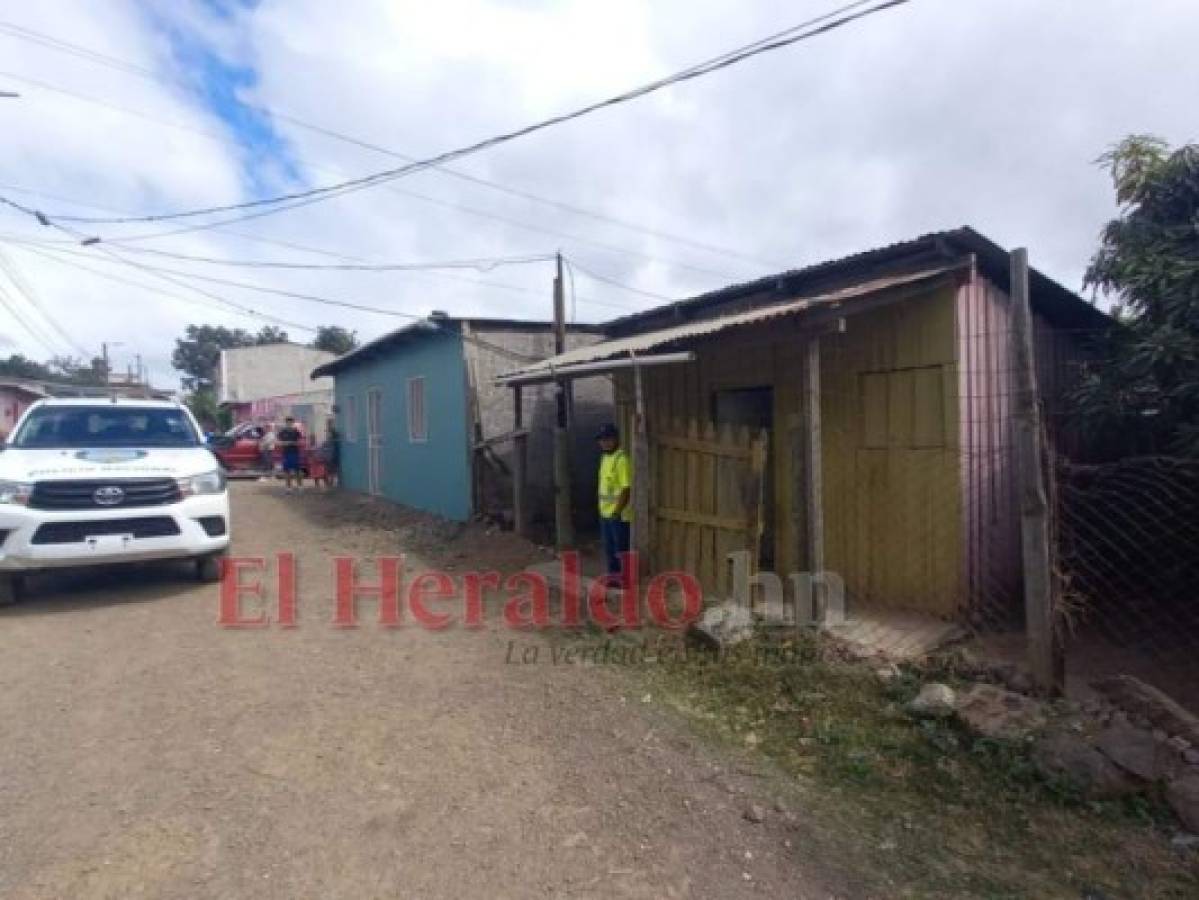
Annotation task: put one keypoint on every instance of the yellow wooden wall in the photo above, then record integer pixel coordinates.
(770, 355)
(890, 442)
(892, 475)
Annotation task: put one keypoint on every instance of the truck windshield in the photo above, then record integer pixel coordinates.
(106, 426)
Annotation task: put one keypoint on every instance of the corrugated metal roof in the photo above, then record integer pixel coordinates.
(436, 324)
(1057, 304)
(652, 340)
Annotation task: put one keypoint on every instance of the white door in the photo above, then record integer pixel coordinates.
(374, 441)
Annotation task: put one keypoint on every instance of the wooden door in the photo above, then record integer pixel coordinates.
(708, 499)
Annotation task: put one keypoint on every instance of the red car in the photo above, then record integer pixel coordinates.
(239, 453)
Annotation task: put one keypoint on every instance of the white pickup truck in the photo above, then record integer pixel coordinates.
(88, 482)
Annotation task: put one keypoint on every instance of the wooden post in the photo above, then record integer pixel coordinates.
(564, 531)
(641, 475)
(813, 459)
(520, 464)
(797, 449)
(1030, 476)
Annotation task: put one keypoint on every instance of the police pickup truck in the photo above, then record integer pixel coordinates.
(87, 482)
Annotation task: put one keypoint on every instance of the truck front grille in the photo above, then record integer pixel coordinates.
(81, 494)
(78, 532)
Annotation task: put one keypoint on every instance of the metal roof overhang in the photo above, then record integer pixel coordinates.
(636, 350)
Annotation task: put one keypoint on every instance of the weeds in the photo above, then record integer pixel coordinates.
(950, 813)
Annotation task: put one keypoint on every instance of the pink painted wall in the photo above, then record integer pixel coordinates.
(990, 508)
(13, 402)
(990, 514)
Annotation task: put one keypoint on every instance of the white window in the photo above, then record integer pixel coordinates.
(418, 425)
(349, 424)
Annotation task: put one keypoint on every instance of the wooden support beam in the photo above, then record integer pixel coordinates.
(564, 526)
(813, 458)
(520, 466)
(1043, 658)
(642, 482)
(812, 479)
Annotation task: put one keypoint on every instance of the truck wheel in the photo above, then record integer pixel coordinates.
(11, 588)
(208, 568)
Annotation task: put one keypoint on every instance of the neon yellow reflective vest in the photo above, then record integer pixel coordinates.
(615, 474)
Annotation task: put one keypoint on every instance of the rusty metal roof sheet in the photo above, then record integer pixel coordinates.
(632, 345)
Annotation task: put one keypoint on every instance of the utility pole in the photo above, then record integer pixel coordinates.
(1043, 656)
(563, 520)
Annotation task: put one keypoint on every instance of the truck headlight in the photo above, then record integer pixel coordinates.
(206, 483)
(16, 492)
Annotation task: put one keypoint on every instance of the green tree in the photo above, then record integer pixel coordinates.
(270, 334)
(18, 366)
(1144, 389)
(335, 339)
(198, 352)
(73, 370)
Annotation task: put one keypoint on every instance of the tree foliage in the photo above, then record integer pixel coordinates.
(335, 339)
(197, 354)
(1146, 384)
(61, 369)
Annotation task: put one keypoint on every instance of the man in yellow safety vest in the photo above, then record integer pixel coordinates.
(615, 494)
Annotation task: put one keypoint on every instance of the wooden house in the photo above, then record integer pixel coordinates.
(852, 417)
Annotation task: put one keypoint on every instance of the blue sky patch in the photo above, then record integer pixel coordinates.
(266, 156)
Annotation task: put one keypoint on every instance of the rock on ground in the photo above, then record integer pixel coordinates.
(1142, 700)
(935, 700)
(1183, 797)
(724, 625)
(1137, 751)
(992, 712)
(1070, 757)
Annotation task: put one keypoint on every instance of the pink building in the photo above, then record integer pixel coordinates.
(15, 397)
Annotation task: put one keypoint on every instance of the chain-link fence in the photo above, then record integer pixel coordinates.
(923, 505)
(1127, 542)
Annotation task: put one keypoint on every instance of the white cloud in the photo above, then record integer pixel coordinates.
(941, 113)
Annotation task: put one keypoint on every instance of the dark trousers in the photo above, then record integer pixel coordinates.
(616, 542)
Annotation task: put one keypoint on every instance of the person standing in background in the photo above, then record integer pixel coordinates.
(289, 441)
(266, 448)
(615, 492)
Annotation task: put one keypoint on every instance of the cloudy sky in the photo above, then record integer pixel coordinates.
(935, 114)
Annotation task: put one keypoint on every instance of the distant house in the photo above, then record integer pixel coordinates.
(423, 422)
(16, 395)
(852, 417)
(271, 381)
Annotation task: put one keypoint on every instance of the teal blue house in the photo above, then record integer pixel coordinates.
(421, 419)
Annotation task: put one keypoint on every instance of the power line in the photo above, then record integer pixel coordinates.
(304, 248)
(167, 277)
(26, 291)
(147, 74)
(223, 305)
(484, 264)
(614, 283)
(314, 298)
(223, 140)
(297, 199)
(51, 255)
(10, 305)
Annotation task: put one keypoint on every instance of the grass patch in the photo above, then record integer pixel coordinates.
(922, 808)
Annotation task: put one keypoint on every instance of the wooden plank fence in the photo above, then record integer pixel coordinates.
(708, 498)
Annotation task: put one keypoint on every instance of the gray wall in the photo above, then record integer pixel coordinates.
(592, 407)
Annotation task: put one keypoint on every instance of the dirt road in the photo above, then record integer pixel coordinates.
(147, 752)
